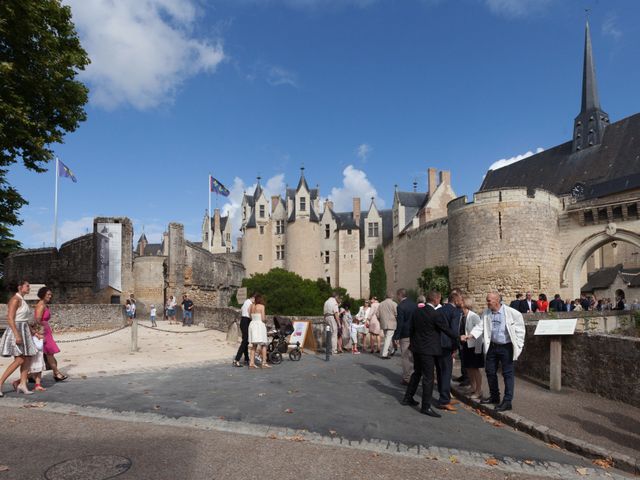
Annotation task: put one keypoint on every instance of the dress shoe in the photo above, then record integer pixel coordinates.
(408, 401)
(448, 407)
(385, 358)
(489, 400)
(430, 412)
(503, 407)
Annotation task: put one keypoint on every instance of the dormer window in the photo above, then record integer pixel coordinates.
(303, 204)
(261, 211)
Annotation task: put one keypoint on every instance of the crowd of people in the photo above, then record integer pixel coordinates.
(29, 340)
(527, 304)
(430, 334)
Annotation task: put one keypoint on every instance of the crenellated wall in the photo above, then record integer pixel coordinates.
(506, 240)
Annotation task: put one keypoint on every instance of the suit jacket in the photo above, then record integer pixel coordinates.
(452, 315)
(515, 304)
(427, 324)
(405, 311)
(557, 305)
(515, 327)
(387, 312)
(524, 306)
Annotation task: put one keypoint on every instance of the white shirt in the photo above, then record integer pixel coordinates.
(246, 308)
(152, 312)
(331, 307)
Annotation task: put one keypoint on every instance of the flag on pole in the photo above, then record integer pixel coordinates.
(219, 188)
(64, 171)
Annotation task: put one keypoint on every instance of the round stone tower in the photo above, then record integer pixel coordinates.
(505, 240)
(303, 249)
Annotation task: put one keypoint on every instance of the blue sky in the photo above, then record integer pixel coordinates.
(366, 94)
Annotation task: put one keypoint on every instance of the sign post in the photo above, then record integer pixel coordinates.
(556, 329)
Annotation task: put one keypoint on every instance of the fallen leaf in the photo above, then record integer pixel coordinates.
(273, 436)
(35, 405)
(454, 459)
(491, 461)
(582, 471)
(375, 454)
(296, 438)
(497, 424)
(604, 462)
(4, 468)
(332, 432)
(84, 377)
(288, 410)
(261, 394)
(529, 462)
(221, 417)
(156, 407)
(553, 445)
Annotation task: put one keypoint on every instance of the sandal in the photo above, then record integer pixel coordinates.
(39, 388)
(60, 378)
(15, 384)
(252, 366)
(265, 365)
(236, 363)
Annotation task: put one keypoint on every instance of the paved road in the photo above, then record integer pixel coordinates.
(357, 397)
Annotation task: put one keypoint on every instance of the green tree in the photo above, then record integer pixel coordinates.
(436, 278)
(40, 100)
(378, 275)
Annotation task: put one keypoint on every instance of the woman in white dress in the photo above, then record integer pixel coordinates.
(258, 332)
(17, 340)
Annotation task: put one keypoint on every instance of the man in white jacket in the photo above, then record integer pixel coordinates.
(503, 330)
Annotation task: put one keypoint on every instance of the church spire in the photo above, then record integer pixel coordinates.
(591, 122)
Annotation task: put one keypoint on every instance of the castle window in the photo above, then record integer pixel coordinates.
(228, 250)
(261, 211)
(279, 227)
(373, 229)
(261, 230)
(588, 217)
(327, 231)
(279, 252)
(326, 256)
(371, 253)
(328, 280)
(617, 213)
(303, 204)
(260, 257)
(349, 232)
(228, 237)
(632, 210)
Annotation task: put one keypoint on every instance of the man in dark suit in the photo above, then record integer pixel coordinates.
(406, 307)
(427, 324)
(452, 313)
(516, 303)
(528, 305)
(557, 304)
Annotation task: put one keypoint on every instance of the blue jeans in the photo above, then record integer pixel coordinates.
(187, 317)
(503, 355)
(444, 371)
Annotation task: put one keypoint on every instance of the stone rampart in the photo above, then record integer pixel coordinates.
(493, 243)
(80, 316)
(413, 251)
(607, 365)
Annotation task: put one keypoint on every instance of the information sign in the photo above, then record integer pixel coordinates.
(564, 326)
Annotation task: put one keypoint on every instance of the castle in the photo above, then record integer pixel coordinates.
(544, 223)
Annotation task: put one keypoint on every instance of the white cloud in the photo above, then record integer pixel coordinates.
(277, 76)
(516, 8)
(141, 51)
(508, 161)
(354, 184)
(274, 186)
(610, 27)
(363, 151)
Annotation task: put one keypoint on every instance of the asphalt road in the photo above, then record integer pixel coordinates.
(356, 398)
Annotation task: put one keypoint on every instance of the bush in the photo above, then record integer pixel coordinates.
(287, 293)
(378, 276)
(436, 278)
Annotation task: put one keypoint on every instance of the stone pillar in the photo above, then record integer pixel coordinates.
(176, 260)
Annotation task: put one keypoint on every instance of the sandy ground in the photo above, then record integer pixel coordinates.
(111, 353)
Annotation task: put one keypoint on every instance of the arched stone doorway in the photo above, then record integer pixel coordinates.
(573, 265)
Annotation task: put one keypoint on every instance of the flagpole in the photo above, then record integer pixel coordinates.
(210, 234)
(55, 207)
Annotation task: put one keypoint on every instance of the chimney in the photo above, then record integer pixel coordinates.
(432, 180)
(356, 210)
(445, 177)
(216, 220)
(274, 202)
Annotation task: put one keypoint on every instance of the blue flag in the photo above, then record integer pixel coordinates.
(219, 188)
(64, 171)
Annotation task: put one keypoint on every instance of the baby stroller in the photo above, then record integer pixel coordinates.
(279, 342)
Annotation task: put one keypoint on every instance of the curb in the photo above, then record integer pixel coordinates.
(549, 435)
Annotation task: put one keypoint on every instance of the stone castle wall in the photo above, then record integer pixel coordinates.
(303, 249)
(415, 250)
(507, 240)
(80, 317)
(148, 276)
